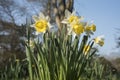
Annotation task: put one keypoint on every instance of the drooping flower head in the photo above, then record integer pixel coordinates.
(93, 28)
(41, 23)
(99, 40)
(89, 29)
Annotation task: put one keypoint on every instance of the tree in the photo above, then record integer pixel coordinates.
(58, 7)
(6, 8)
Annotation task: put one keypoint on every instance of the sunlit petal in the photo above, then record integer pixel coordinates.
(65, 21)
(35, 18)
(67, 13)
(41, 16)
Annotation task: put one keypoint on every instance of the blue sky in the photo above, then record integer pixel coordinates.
(106, 16)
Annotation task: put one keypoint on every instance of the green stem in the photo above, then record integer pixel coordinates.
(29, 63)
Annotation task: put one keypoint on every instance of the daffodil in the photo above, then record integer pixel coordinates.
(93, 28)
(86, 49)
(41, 23)
(73, 23)
(89, 29)
(70, 17)
(99, 40)
(77, 28)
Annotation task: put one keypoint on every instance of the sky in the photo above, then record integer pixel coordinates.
(106, 15)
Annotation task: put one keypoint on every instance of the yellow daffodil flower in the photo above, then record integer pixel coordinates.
(78, 28)
(70, 17)
(73, 18)
(93, 28)
(89, 29)
(99, 40)
(41, 23)
(73, 23)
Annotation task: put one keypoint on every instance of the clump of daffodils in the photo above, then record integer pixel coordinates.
(64, 52)
(76, 26)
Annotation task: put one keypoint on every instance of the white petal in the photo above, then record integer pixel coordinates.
(84, 24)
(37, 33)
(49, 25)
(81, 18)
(73, 13)
(73, 36)
(33, 25)
(65, 21)
(41, 16)
(101, 37)
(67, 13)
(35, 18)
(69, 31)
(47, 18)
